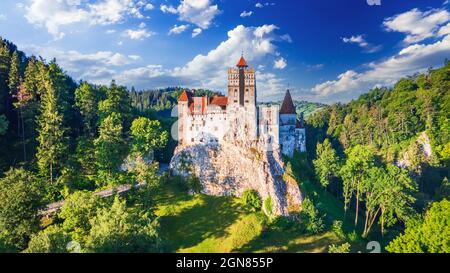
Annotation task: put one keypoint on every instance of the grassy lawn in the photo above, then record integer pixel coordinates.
(209, 224)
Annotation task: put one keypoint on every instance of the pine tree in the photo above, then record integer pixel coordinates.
(86, 100)
(4, 73)
(14, 75)
(52, 146)
(110, 147)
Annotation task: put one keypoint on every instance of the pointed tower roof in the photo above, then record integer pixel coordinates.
(185, 96)
(288, 105)
(242, 62)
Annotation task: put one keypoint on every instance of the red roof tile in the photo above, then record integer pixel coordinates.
(185, 96)
(288, 105)
(242, 62)
(220, 101)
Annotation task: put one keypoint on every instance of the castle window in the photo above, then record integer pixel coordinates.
(192, 140)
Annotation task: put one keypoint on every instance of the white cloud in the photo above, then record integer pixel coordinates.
(260, 5)
(246, 13)
(98, 67)
(168, 9)
(178, 29)
(196, 32)
(280, 63)
(412, 59)
(204, 70)
(209, 70)
(56, 14)
(110, 31)
(361, 42)
(138, 34)
(2, 17)
(286, 37)
(444, 30)
(416, 24)
(149, 6)
(198, 12)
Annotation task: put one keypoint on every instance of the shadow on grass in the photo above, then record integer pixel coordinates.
(187, 220)
(274, 241)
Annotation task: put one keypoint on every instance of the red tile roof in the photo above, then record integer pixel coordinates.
(288, 105)
(242, 62)
(185, 96)
(220, 101)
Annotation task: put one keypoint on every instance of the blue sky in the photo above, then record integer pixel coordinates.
(325, 50)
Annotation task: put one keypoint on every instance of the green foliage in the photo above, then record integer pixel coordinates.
(428, 235)
(147, 135)
(268, 206)
(117, 101)
(327, 164)
(110, 149)
(76, 213)
(87, 98)
(3, 125)
(311, 222)
(21, 198)
(338, 229)
(52, 143)
(119, 229)
(51, 240)
(344, 248)
(194, 184)
(251, 199)
(359, 160)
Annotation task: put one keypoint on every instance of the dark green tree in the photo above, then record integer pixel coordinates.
(21, 196)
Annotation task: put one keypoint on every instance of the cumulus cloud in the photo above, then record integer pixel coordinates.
(178, 29)
(416, 24)
(149, 6)
(53, 15)
(138, 34)
(2, 17)
(361, 42)
(409, 60)
(198, 12)
(280, 63)
(204, 70)
(246, 13)
(98, 67)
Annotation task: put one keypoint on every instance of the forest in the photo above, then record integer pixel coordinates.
(377, 168)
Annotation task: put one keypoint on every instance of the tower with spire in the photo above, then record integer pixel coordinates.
(238, 119)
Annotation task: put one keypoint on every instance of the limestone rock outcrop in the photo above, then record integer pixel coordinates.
(228, 169)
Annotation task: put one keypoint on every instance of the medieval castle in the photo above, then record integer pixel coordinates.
(237, 118)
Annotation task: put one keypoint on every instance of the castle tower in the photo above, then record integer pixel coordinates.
(242, 84)
(183, 111)
(242, 110)
(288, 124)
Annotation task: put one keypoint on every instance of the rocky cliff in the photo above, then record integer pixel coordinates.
(228, 169)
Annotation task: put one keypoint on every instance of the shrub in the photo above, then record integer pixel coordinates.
(310, 219)
(344, 248)
(251, 199)
(337, 229)
(194, 185)
(51, 240)
(268, 206)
